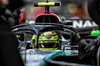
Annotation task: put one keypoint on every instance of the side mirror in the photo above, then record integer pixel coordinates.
(95, 33)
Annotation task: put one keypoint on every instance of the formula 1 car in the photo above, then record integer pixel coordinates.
(45, 56)
(62, 56)
(38, 53)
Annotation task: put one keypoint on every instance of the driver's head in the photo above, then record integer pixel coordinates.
(47, 40)
(48, 35)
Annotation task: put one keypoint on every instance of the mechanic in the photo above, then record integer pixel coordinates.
(9, 54)
(10, 16)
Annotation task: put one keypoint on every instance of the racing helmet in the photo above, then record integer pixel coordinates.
(47, 40)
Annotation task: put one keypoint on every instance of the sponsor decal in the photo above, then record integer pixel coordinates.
(83, 23)
(35, 56)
